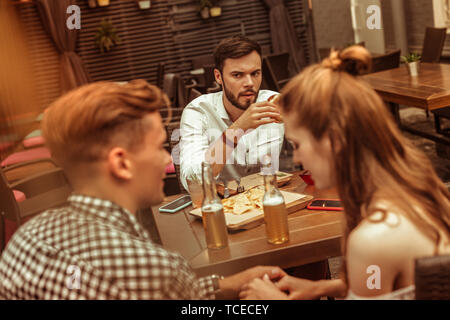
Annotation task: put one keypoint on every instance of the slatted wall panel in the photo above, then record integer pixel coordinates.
(44, 56)
(171, 32)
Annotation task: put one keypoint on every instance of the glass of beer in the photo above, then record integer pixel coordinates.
(213, 217)
(275, 213)
(195, 191)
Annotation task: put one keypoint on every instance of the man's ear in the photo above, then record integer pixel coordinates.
(218, 76)
(119, 163)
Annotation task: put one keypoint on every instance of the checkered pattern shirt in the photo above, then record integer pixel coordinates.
(93, 249)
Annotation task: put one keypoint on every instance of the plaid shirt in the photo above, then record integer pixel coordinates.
(93, 249)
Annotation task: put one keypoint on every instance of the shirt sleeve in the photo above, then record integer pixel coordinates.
(193, 143)
(186, 285)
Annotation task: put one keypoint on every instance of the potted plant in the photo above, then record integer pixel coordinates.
(205, 5)
(144, 4)
(412, 62)
(215, 10)
(106, 36)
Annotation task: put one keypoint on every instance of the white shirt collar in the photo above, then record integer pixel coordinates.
(220, 107)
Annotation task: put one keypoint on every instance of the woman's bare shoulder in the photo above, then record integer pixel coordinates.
(390, 233)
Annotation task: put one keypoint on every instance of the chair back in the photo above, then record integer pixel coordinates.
(160, 74)
(43, 190)
(200, 61)
(173, 134)
(175, 89)
(210, 81)
(276, 70)
(433, 44)
(432, 278)
(324, 53)
(8, 204)
(386, 61)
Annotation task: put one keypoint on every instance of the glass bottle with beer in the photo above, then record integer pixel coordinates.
(275, 213)
(212, 212)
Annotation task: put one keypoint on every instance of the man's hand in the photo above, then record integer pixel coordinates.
(262, 289)
(299, 289)
(256, 115)
(230, 286)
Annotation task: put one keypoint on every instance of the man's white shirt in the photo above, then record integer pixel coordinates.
(204, 120)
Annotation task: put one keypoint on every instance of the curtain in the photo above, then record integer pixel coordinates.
(284, 38)
(18, 103)
(53, 16)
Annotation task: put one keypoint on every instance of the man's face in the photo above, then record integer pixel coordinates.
(241, 79)
(150, 162)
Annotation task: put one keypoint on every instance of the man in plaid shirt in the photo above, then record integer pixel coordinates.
(109, 140)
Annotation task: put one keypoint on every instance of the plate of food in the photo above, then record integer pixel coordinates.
(245, 210)
(253, 180)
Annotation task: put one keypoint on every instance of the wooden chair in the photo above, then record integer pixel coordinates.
(205, 80)
(200, 61)
(173, 134)
(179, 94)
(438, 115)
(27, 166)
(386, 61)
(210, 81)
(433, 44)
(275, 71)
(160, 74)
(42, 191)
(432, 278)
(324, 53)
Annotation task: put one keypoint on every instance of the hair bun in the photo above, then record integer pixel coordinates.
(355, 60)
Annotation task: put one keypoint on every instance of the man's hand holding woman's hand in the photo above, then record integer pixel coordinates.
(285, 288)
(230, 286)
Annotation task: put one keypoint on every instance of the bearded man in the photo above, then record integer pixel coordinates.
(234, 128)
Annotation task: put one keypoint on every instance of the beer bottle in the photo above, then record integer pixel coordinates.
(212, 212)
(275, 213)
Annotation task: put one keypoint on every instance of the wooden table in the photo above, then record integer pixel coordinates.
(314, 236)
(429, 91)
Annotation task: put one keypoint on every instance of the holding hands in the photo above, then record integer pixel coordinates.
(287, 287)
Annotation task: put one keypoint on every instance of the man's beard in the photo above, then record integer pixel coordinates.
(234, 100)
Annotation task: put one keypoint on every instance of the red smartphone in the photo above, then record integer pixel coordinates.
(325, 204)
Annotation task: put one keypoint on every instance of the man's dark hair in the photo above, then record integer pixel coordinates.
(233, 48)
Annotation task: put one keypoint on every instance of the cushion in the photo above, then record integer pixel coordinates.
(27, 155)
(33, 142)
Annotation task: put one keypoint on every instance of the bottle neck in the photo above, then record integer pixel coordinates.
(270, 183)
(209, 185)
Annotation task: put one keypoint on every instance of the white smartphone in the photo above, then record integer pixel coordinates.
(177, 204)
